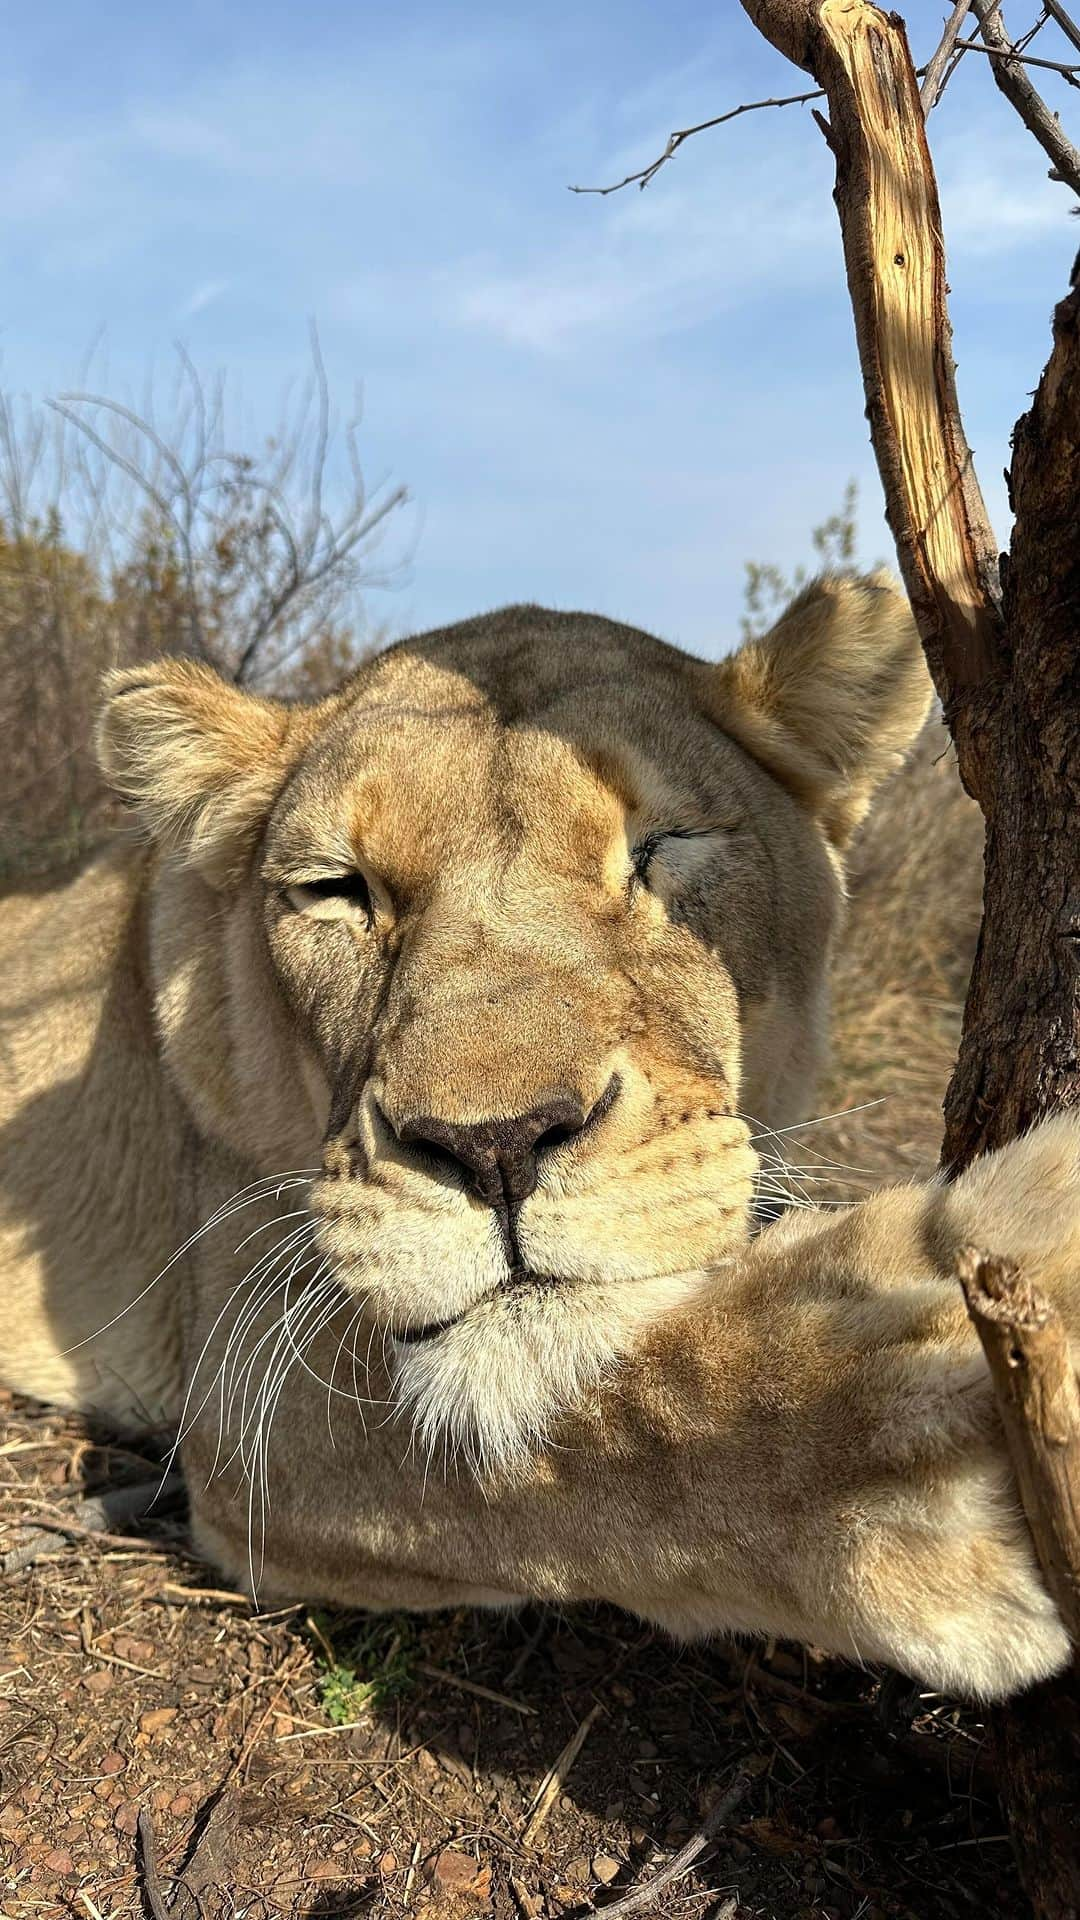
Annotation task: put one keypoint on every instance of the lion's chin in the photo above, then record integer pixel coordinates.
(489, 1385)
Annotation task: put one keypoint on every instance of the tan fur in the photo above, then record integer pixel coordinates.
(622, 1400)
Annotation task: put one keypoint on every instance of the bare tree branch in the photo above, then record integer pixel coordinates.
(1063, 20)
(936, 77)
(643, 177)
(950, 49)
(1021, 93)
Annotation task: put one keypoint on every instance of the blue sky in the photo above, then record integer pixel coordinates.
(602, 403)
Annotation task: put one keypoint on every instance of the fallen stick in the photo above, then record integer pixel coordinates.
(640, 1899)
(119, 1507)
(555, 1778)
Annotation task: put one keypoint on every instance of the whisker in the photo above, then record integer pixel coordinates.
(245, 1197)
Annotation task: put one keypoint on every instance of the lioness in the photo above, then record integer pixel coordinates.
(441, 1026)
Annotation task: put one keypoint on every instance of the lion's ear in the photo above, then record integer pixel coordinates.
(831, 697)
(199, 760)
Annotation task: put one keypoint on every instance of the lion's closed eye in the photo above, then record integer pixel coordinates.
(335, 896)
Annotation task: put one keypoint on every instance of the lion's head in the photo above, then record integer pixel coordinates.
(520, 936)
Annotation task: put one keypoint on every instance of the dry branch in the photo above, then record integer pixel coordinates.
(1027, 1351)
(891, 226)
(1014, 83)
(935, 77)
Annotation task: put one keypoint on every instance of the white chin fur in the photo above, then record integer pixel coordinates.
(491, 1386)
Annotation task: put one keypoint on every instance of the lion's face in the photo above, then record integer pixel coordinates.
(529, 927)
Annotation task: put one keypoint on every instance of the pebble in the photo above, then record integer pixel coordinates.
(157, 1719)
(455, 1873)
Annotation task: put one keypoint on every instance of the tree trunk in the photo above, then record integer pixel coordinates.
(1020, 1051)
(1008, 672)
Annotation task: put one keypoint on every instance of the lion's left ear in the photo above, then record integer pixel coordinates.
(200, 760)
(831, 697)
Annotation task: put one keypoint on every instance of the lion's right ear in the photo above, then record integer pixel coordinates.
(199, 760)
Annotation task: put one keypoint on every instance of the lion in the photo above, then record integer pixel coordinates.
(401, 1122)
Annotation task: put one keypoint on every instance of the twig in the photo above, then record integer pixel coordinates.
(640, 1899)
(120, 1506)
(1063, 20)
(934, 83)
(1027, 1351)
(675, 140)
(552, 1783)
(175, 1595)
(932, 74)
(1015, 55)
(151, 1883)
(94, 1912)
(1008, 69)
(478, 1692)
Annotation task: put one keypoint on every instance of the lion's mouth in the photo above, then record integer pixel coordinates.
(519, 1280)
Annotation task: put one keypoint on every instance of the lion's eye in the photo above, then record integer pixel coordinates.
(643, 853)
(641, 856)
(334, 896)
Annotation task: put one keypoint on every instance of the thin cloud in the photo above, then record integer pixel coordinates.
(203, 296)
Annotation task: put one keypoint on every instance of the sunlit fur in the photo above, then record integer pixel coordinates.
(209, 1062)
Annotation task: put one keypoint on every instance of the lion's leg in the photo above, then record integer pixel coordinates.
(812, 1451)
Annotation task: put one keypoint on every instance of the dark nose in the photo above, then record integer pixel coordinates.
(499, 1157)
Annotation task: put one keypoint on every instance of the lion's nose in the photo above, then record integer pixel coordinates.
(499, 1157)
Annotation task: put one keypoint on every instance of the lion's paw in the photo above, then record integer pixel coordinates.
(1024, 1202)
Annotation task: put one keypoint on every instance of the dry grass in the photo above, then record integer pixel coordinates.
(117, 1696)
(902, 970)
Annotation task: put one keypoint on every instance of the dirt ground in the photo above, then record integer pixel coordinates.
(290, 1765)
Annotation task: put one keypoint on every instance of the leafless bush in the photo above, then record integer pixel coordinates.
(129, 532)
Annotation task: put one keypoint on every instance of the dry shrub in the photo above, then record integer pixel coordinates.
(125, 535)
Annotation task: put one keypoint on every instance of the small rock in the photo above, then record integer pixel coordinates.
(455, 1873)
(140, 1652)
(99, 1681)
(126, 1817)
(181, 1806)
(387, 1864)
(578, 1871)
(157, 1719)
(59, 1860)
(323, 1870)
(606, 1868)
(112, 1763)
